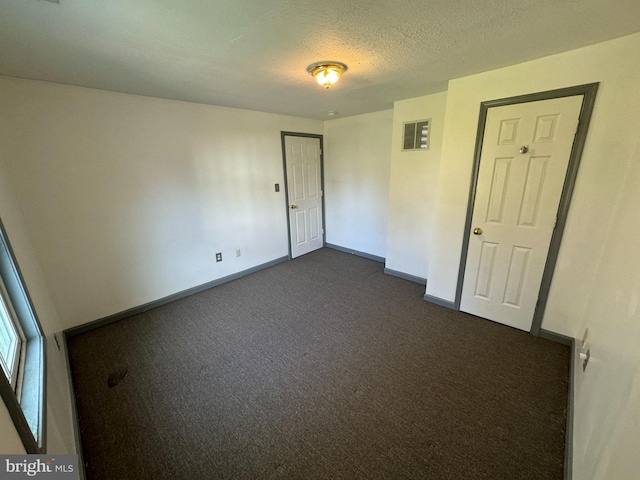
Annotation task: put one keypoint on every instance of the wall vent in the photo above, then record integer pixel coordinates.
(415, 135)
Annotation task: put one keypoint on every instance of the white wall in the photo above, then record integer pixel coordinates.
(127, 199)
(356, 178)
(59, 429)
(607, 421)
(413, 187)
(596, 281)
(10, 443)
(60, 433)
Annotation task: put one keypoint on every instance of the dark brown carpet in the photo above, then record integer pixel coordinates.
(318, 368)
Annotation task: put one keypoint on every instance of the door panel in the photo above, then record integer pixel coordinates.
(517, 196)
(303, 164)
(533, 189)
(297, 189)
(485, 269)
(300, 223)
(515, 278)
(499, 185)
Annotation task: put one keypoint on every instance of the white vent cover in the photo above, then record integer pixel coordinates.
(415, 135)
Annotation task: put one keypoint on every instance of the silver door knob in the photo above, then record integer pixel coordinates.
(294, 206)
(524, 149)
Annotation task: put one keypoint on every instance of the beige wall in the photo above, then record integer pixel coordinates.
(10, 443)
(356, 173)
(58, 409)
(127, 199)
(596, 281)
(610, 137)
(413, 186)
(607, 421)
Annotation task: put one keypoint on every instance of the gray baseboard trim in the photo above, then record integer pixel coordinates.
(405, 276)
(441, 302)
(557, 337)
(101, 322)
(568, 446)
(355, 252)
(74, 412)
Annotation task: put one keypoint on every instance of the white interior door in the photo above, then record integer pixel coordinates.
(304, 190)
(523, 164)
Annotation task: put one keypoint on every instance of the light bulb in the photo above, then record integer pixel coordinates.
(326, 74)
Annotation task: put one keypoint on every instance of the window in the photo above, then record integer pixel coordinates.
(21, 353)
(416, 135)
(11, 340)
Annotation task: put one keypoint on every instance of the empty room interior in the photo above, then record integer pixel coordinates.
(321, 239)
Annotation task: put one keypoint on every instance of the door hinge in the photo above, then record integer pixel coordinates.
(577, 127)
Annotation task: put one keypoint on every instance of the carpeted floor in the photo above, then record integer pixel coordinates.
(318, 368)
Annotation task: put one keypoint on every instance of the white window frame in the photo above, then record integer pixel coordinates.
(13, 366)
(23, 391)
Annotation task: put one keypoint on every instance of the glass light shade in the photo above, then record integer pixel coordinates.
(327, 77)
(327, 73)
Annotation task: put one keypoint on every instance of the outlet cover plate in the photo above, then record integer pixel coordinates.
(586, 360)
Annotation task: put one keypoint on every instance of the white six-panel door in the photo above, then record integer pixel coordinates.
(304, 189)
(523, 164)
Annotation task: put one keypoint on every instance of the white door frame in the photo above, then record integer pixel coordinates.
(589, 91)
(286, 182)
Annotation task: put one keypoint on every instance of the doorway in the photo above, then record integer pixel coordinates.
(304, 191)
(527, 155)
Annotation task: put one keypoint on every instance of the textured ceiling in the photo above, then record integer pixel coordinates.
(253, 53)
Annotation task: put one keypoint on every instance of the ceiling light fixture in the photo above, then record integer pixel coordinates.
(327, 73)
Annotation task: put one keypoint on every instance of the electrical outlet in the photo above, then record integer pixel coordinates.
(219, 257)
(585, 359)
(238, 253)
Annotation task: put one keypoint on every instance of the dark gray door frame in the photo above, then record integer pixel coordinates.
(589, 91)
(286, 182)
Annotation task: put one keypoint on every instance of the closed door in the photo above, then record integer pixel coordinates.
(523, 165)
(304, 193)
